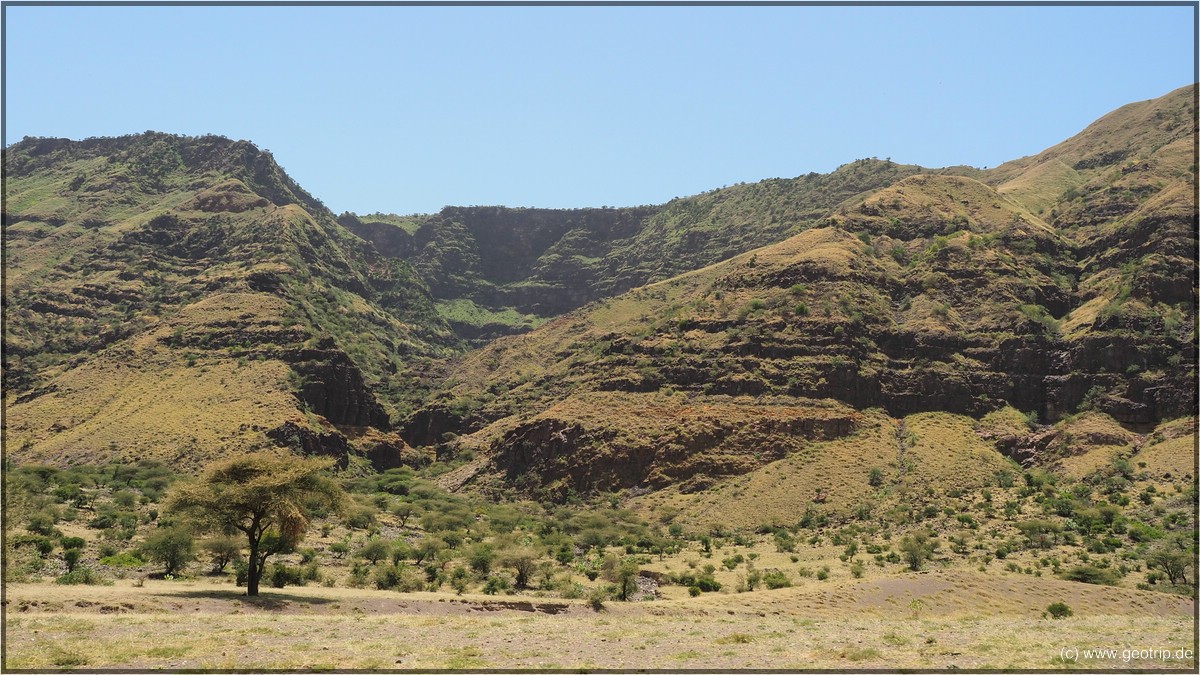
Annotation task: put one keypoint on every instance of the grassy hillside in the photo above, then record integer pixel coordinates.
(541, 263)
(934, 293)
(180, 297)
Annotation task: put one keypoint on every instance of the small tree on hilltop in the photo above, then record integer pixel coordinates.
(264, 496)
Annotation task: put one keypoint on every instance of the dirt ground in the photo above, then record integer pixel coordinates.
(927, 621)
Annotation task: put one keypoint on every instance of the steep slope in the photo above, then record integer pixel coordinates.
(936, 293)
(1127, 209)
(498, 271)
(179, 297)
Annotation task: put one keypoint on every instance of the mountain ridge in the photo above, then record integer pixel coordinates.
(170, 266)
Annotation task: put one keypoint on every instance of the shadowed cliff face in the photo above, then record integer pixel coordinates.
(545, 262)
(674, 441)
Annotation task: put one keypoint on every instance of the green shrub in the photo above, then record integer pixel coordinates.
(497, 583)
(69, 543)
(857, 568)
(173, 547)
(596, 599)
(82, 575)
(222, 551)
(1090, 574)
(42, 523)
(1059, 610)
(387, 578)
(773, 579)
(282, 575)
(375, 550)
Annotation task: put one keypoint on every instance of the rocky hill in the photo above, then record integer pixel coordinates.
(497, 271)
(1046, 287)
(182, 298)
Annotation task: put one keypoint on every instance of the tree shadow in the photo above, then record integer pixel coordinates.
(266, 600)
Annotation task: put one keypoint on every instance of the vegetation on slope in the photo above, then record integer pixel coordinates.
(181, 297)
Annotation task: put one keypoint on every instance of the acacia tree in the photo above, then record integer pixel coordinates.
(266, 497)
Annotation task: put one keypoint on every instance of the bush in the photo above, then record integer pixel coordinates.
(81, 575)
(694, 591)
(1089, 574)
(596, 599)
(42, 523)
(375, 550)
(481, 558)
(241, 570)
(223, 550)
(773, 579)
(360, 518)
(69, 543)
(387, 578)
(122, 559)
(857, 568)
(784, 543)
(916, 549)
(1059, 610)
(282, 575)
(497, 583)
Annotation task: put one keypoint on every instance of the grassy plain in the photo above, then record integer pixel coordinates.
(935, 620)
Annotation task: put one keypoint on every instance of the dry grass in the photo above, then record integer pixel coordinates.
(948, 454)
(837, 470)
(1042, 185)
(968, 621)
(1170, 454)
(1091, 442)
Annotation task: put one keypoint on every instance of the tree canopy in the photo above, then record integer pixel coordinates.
(267, 497)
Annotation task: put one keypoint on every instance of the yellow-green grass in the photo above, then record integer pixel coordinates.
(1089, 443)
(931, 198)
(1042, 185)
(407, 223)
(941, 452)
(836, 472)
(1170, 452)
(463, 310)
(187, 416)
(1146, 124)
(947, 453)
(148, 399)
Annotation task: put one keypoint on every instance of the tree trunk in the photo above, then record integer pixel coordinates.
(253, 572)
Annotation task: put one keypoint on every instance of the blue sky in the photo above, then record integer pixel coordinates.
(407, 109)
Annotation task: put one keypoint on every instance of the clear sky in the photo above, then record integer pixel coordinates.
(407, 109)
